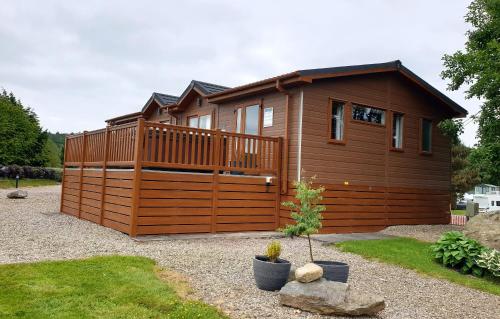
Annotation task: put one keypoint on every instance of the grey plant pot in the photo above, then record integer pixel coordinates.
(270, 276)
(334, 270)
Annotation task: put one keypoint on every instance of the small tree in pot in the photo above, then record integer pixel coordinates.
(307, 213)
(271, 272)
(307, 216)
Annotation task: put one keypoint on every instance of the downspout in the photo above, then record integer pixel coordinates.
(284, 184)
(299, 143)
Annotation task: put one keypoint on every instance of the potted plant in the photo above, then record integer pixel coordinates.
(307, 216)
(271, 272)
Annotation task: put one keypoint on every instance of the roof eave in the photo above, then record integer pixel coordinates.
(124, 117)
(257, 87)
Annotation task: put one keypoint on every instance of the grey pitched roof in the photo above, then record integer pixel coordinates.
(209, 88)
(165, 99)
(204, 87)
(397, 65)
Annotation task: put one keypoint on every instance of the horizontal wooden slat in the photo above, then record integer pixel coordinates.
(69, 210)
(246, 195)
(91, 202)
(176, 177)
(245, 211)
(172, 229)
(245, 219)
(125, 219)
(173, 211)
(176, 194)
(175, 202)
(245, 203)
(169, 185)
(117, 208)
(245, 227)
(124, 228)
(174, 220)
(122, 183)
(124, 201)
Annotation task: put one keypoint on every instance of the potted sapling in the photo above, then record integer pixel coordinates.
(271, 272)
(306, 212)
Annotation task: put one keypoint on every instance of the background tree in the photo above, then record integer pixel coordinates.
(22, 140)
(464, 176)
(478, 67)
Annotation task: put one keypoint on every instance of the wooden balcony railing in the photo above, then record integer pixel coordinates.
(174, 147)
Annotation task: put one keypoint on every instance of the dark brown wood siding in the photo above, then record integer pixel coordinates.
(366, 158)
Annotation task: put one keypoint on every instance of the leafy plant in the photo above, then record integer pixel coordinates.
(307, 213)
(455, 250)
(273, 251)
(490, 259)
(476, 69)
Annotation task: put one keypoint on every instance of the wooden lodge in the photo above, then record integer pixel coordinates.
(218, 159)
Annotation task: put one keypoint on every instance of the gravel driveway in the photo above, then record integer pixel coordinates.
(220, 269)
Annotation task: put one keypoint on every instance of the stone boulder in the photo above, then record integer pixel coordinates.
(17, 194)
(309, 272)
(291, 275)
(329, 298)
(485, 228)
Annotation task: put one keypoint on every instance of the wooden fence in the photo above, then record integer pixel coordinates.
(123, 177)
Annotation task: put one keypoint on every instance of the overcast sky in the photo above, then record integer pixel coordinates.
(78, 63)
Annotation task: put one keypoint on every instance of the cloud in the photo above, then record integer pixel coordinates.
(79, 63)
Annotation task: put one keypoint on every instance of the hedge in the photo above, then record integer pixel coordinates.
(11, 171)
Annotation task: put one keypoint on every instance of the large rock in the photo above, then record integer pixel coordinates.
(309, 272)
(485, 228)
(17, 194)
(329, 298)
(291, 274)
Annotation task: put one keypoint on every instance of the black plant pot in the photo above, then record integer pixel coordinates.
(334, 270)
(268, 275)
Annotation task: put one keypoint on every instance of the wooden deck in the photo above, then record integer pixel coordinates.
(152, 178)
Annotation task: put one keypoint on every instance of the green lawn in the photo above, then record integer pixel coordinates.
(458, 212)
(413, 254)
(26, 182)
(99, 287)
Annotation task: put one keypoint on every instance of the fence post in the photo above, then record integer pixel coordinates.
(104, 171)
(63, 173)
(215, 181)
(84, 146)
(138, 152)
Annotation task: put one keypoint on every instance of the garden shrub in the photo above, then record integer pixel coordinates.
(490, 260)
(273, 251)
(455, 250)
(11, 171)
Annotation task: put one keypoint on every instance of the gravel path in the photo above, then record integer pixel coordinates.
(430, 233)
(220, 269)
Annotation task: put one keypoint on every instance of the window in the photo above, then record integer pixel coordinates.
(205, 122)
(368, 114)
(193, 121)
(252, 120)
(498, 202)
(239, 116)
(426, 143)
(397, 131)
(248, 119)
(492, 203)
(337, 121)
(268, 117)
